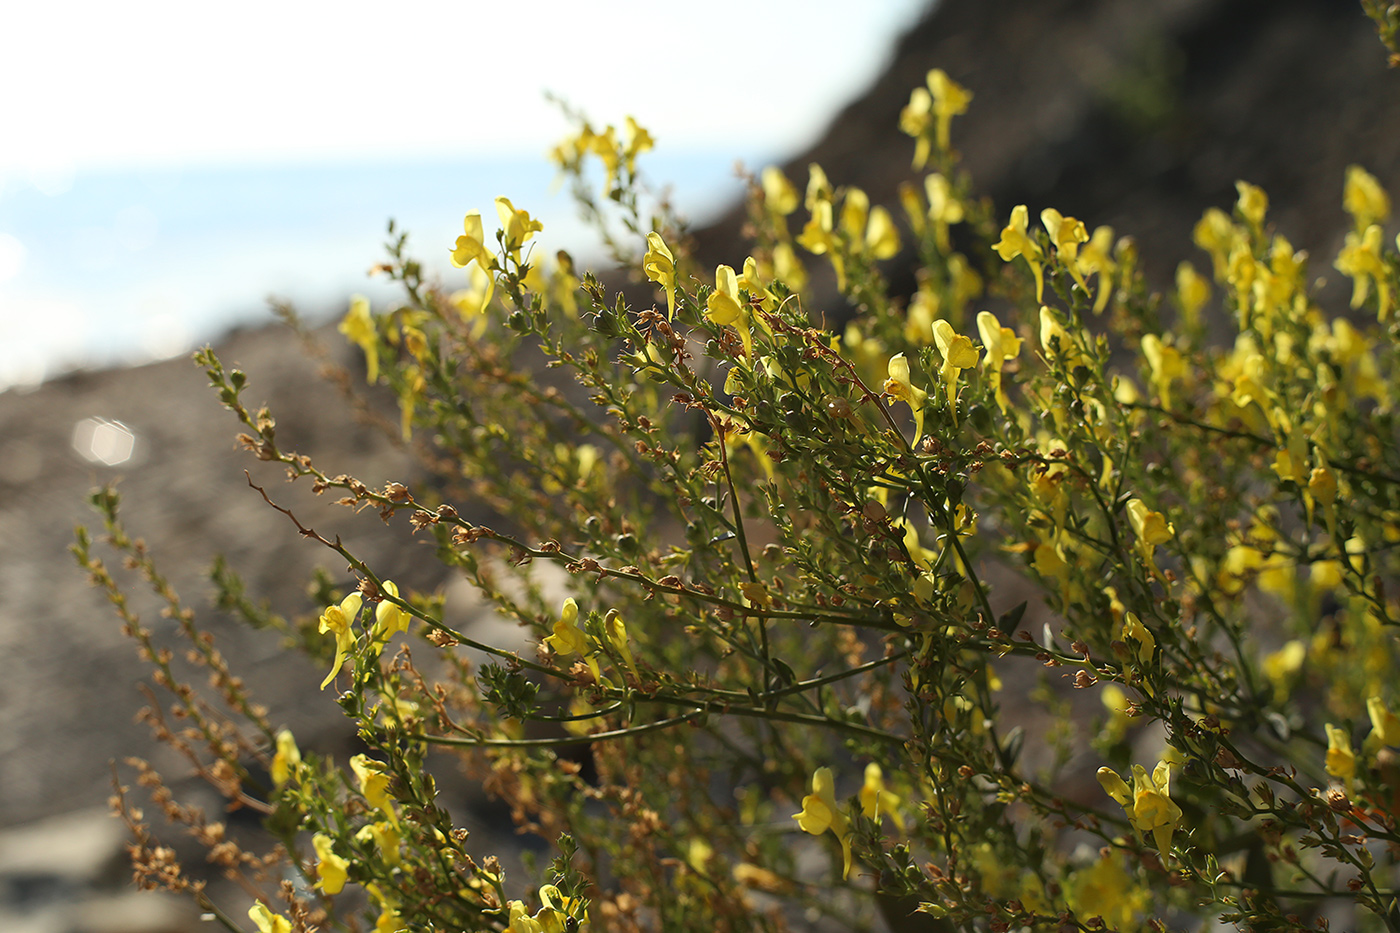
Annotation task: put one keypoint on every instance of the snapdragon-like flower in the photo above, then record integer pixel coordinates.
(1066, 233)
(1192, 292)
(778, 193)
(1341, 760)
(898, 386)
(1016, 242)
(725, 309)
(389, 617)
(568, 639)
(1166, 364)
(1360, 259)
(950, 99)
(999, 344)
(944, 209)
(1253, 203)
(1151, 527)
(519, 227)
(1364, 198)
(374, 784)
(958, 354)
(1148, 803)
(471, 246)
(1385, 725)
(267, 921)
(875, 800)
(336, 620)
(660, 267)
(358, 327)
(287, 759)
(331, 869)
(1096, 258)
(820, 813)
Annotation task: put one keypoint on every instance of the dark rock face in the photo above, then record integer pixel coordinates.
(1139, 114)
(1134, 113)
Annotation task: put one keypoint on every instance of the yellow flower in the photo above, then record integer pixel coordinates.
(787, 268)
(1135, 630)
(1096, 259)
(949, 100)
(1016, 242)
(518, 226)
(943, 208)
(617, 637)
(386, 838)
(472, 244)
(520, 919)
(1105, 889)
(778, 193)
(724, 308)
(568, 638)
(1151, 528)
(374, 784)
(336, 620)
(914, 120)
(1385, 725)
(1341, 760)
(751, 282)
(287, 759)
(999, 344)
(331, 869)
(1148, 803)
(267, 921)
(1252, 203)
(898, 386)
(958, 354)
(1360, 259)
(1364, 198)
(389, 618)
(1192, 292)
(1166, 364)
(881, 237)
(660, 267)
(1066, 233)
(635, 141)
(358, 327)
(471, 302)
(820, 813)
(875, 800)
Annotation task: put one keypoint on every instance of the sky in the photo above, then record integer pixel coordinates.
(135, 134)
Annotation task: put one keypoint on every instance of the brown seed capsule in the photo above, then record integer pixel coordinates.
(838, 407)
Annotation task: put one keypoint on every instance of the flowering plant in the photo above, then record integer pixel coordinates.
(1021, 528)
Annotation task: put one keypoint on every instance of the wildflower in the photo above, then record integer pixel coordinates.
(1095, 259)
(898, 386)
(471, 302)
(518, 226)
(944, 209)
(635, 141)
(1016, 242)
(949, 100)
(568, 638)
(520, 920)
(820, 813)
(389, 617)
(1166, 364)
(1341, 760)
(358, 327)
(778, 193)
(1105, 889)
(724, 308)
(287, 760)
(1066, 233)
(617, 637)
(1364, 198)
(472, 244)
(1148, 803)
(751, 282)
(1192, 292)
(1252, 203)
(336, 620)
(914, 120)
(1151, 528)
(875, 800)
(267, 921)
(1215, 233)
(1135, 630)
(999, 344)
(331, 869)
(374, 784)
(660, 267)
(881, 237)
(386, 838)
(958, 354)
(1385, 725)
(1360, 259)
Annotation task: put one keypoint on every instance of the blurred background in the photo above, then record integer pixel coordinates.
(169, 165)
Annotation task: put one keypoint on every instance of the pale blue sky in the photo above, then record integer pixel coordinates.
(139, 137)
